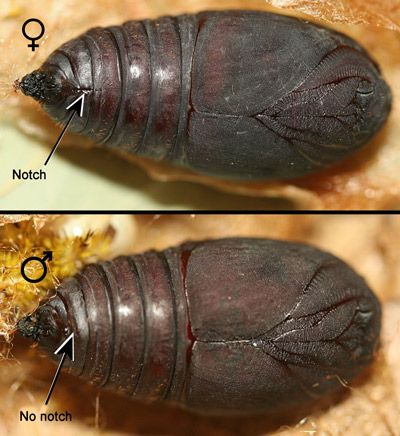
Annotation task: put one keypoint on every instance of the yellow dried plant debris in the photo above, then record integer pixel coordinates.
(21, 240)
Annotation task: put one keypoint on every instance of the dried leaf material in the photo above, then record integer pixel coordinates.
(375, 12)
(38, 221)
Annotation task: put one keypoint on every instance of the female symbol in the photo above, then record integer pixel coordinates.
(33, 45)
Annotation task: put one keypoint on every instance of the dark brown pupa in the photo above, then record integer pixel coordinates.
(230, 325)
(233, 94)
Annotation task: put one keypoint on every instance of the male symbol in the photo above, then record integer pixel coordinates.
(48, 255)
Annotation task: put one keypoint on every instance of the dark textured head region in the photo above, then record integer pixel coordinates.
(36, 84)
(29, 327)
(46, 326)
(45, 85)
